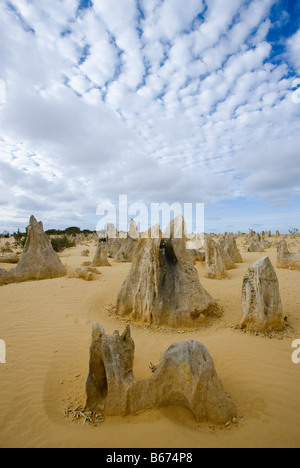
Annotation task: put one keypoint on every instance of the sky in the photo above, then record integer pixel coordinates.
(187, 101)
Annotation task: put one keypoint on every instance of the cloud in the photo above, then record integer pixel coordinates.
(162, 100)
(294, 50)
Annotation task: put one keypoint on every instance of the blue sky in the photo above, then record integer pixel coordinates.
(162, 100)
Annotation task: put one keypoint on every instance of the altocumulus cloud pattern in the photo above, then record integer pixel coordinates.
(164, 100)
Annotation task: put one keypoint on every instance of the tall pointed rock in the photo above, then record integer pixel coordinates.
(38, 261)
(261, 302)
(100, 258)
(214, 265)
(163, 286)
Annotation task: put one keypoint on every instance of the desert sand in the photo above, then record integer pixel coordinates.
(47, 329)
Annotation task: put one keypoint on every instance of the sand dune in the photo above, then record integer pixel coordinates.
(47, 325)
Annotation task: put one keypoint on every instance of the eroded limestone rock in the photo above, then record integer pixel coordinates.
(261, 302)
(133, 230)
(163, 286)
(227, 260)
(13, 258)
(185, 377)
(255, 247)
(232, 249)
(198, 255)
(286, 259)
(5, 277)
(100, 258)
(126, 251)
(38, 261)
(86, 273)
(214, 265)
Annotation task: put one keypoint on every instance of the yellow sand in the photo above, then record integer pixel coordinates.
(47, 326)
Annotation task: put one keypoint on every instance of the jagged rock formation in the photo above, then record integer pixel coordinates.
(232, 249)
(114, 245)
(261, 302)
(163, 286)
(86, 273)
(286, 259)
(100, 258)
(185, 377)
(198, 255)
(265, 244)
(126, 251)
(121, 246)
(214, 266)
(133, 232)
(111, 231)
(38, 261)
(255, 247)
(13, 258)
(227, 260)
(5, 277)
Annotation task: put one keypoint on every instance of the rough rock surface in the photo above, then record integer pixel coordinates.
(255, 247)
(100, 258)
(86, 274)
(214, 265)
(133, 230)
(13, 258)
(163, 286)
(126, 251)
(5, 277)
(38, 261)
(286, 259)
(261, 302)
(185, 377)
(114, 245)
(232, 249)
(198, 255)
(227, 260)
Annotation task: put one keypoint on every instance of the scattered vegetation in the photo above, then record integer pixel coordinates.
(70, 231)
(81, 414)
(61, 243)
(5, 235)
(20, 238)
(294, 231)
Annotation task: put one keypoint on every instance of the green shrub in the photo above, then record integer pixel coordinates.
(61, 243)
(20, 238)
(5, 235)
(72, 231)
(55, 232)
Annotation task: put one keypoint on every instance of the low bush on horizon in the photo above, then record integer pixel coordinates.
(70, 231)
(61, 243)
(5, 235)
(20, 238)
